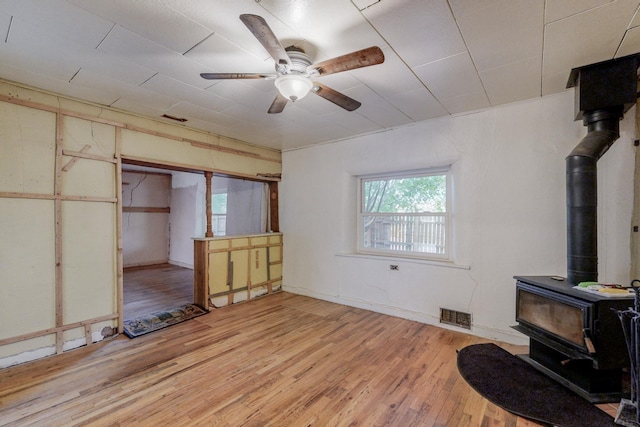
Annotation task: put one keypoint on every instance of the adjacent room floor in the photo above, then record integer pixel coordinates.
(154, 288)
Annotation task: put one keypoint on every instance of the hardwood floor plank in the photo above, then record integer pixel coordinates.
(154, 288)
(280, 360)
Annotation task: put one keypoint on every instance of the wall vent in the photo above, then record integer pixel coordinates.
(455, 318)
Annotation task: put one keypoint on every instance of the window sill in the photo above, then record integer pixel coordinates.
(387, 258)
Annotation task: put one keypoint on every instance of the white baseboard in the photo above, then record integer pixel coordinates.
(426, 318)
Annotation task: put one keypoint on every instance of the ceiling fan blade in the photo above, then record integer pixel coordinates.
(336, 97)
(227, 76)
(278, 104)
(362, 58)
(261, 30)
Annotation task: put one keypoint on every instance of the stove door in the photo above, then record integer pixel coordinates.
(554, 315)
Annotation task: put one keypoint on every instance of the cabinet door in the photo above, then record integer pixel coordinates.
(259, 266)
(240, 272)
(275, 262)
(219, 273)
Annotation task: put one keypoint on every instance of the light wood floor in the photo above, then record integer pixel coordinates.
(281, 360)
(156, 288)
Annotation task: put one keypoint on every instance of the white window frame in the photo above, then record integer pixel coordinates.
(361, 249)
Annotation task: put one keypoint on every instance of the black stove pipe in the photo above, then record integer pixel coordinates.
(603, 93)
(603, 129)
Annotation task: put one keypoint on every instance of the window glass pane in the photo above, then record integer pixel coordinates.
(405, 213)
(412, 194)
(219, 203)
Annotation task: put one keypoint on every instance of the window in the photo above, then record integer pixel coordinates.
(405, 214)
(219, 213)
(238, 206)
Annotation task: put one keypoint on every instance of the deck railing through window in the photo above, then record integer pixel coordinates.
(406, 232)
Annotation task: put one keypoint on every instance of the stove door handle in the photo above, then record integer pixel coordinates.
(587, 342)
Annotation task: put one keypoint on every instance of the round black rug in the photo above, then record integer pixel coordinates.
(514, 385)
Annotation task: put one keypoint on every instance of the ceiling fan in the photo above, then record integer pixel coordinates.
(294, 70)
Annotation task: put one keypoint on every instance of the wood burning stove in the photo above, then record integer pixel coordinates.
(574, 336)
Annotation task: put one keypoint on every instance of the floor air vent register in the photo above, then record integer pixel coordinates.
(455, 318)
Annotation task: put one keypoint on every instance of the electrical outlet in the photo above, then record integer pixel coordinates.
(394, 267)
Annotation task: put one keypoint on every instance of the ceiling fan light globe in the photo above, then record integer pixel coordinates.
(293, 86)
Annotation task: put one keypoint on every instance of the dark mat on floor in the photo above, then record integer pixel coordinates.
(511, 383)
(161, 319)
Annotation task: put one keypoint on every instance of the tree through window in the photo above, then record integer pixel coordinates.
(405, 213)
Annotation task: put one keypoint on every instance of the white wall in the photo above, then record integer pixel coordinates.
(509, 212)
(145, 236)
(188, 213)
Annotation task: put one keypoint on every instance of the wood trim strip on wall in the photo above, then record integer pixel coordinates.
(89, 156)
(119, 244)
(6, 195)
(58, 110)
(56, 330)
(57, 190)
(144, 209)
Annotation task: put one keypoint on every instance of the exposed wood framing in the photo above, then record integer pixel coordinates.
(58, 110)
(143, 209)
(119, 245)
(87, 334)
(58, 197)
(74, 160)
(82, 155)
(118, 124)
(181, 167)
(274, 217)
(146, 172)
(201, 275)
(57, 330)
(201, 265)
(57, 190)
(207, 177)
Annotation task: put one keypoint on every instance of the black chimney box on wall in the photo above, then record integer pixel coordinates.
(605, 85)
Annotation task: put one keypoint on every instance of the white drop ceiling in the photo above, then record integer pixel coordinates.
(442, 57)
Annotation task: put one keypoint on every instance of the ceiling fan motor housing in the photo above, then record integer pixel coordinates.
(299, 60)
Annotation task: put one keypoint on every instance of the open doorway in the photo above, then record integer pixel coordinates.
(162, 210)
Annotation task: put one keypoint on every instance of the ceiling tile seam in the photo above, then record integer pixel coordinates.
(400, 58)
(468, 51)
(391, 104)
(633, 18)
(74, 75)
(629, 28)
(248, 52)
(198, 44)
(188, 18)
(6, 37)
(105, 36)
(142, 84)
(579, 13)
(367, 6)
